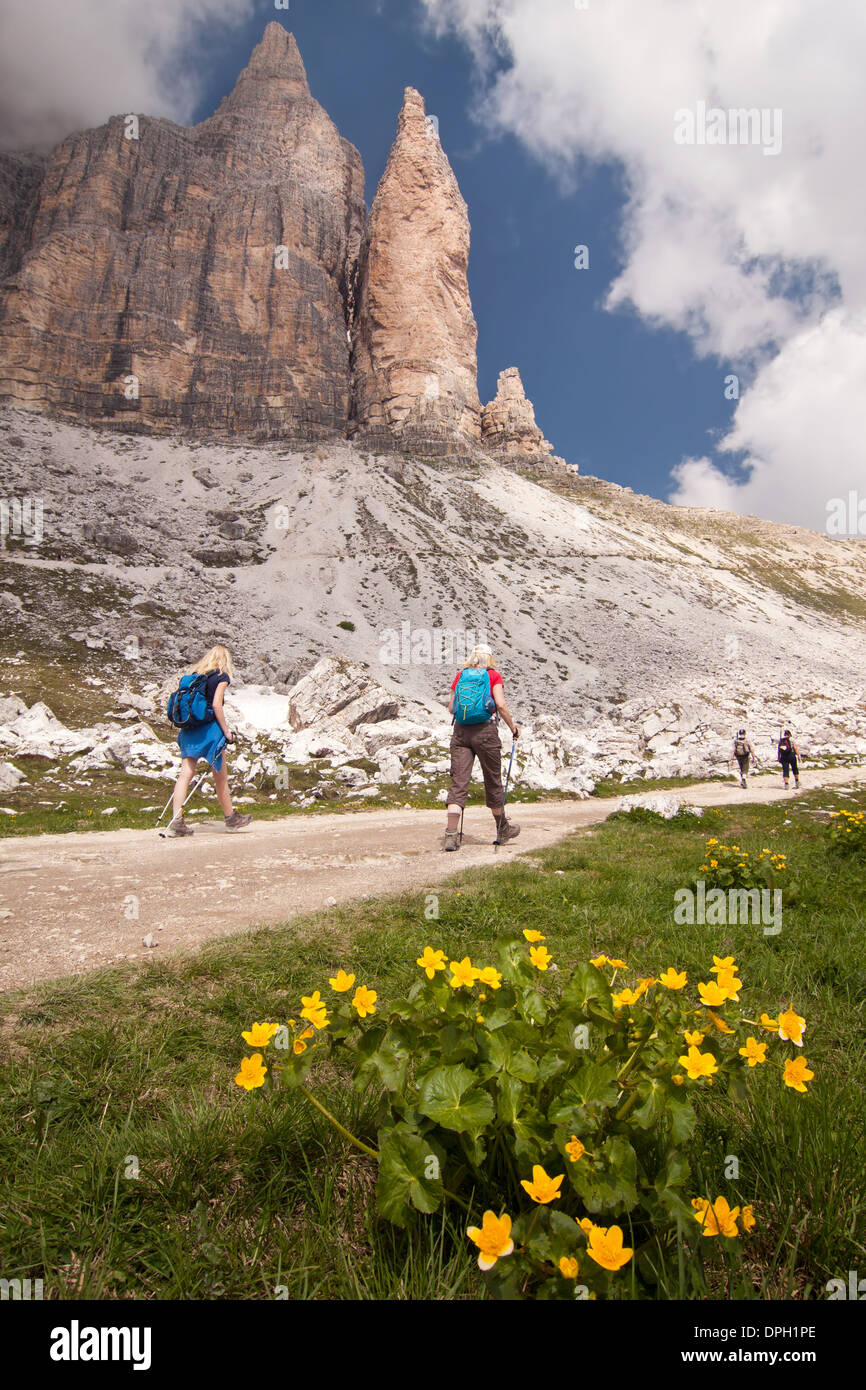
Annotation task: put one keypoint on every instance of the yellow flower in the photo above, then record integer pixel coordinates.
(727, 980)
(533, 935)
(315, 1010)
(797, 1073)
(747, 1218)
(714, 863)
(617, 964)
(491, 977)
(678, 1080)
(771, 1025)
(718, 1023)
(464, 973)
(479, 1018)
(643, 984)
(606, 1247)
(693, 1039)
(713, 841)
(712, 994)
(624, 997)
(698, 1064)
(754, 1052)
(598, 961)
(312, 1005)
(542, 1189)
(725, 964)
(792, 1027)
(431, 961)
(364, 1001)
(673, 979)
(585, 1224)
(575, 1149)
(718, 1219)
(568, 1268)
(493, 1238)
(341, 982)
(260, 1034)
(540, 957)
(252, 1072)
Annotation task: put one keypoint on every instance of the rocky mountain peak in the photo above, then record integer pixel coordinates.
(508, 422)
(415, 333)
(274, 73)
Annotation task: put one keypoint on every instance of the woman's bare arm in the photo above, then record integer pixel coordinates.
(502, 707)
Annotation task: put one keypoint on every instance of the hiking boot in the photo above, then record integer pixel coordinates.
(178, 826)
(797, 784)
(508, 831)
(742, 781)
(236, 821)
(452, 839)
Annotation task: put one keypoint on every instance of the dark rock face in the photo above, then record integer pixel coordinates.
(153, 292)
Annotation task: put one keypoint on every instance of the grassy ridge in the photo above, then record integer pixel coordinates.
(238, 1194)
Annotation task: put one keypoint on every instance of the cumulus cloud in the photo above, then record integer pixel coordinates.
(69, 64)
(752, 249)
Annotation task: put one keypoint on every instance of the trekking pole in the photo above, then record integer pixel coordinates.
(164, 833)
(497, 841)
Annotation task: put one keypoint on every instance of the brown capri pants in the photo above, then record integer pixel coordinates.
(469, 741)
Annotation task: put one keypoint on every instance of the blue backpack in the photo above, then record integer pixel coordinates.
(473, 700)
(188, 708)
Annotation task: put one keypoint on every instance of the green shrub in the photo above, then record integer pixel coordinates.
(561, 1099)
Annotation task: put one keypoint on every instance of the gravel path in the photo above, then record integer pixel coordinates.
(68, 903)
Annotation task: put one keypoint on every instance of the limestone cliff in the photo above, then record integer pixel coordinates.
(224, 279)
(154, 289)
(414, 336)
(508, 423)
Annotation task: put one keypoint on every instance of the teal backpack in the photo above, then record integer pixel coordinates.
(473, 700)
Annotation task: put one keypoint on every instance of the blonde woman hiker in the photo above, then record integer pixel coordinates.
(477, 704)
(204, 735)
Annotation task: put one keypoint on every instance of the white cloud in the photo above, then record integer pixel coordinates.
(66, 65)
(757, 257)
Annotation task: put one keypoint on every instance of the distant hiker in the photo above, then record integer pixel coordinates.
(205, 736)
(788, 754)
(477, 703)
(742, 751)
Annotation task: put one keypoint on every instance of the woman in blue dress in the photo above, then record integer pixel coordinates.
(208, 741)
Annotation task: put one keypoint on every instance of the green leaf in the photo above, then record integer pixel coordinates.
(409, 1175)
(385, 1057)
(450, 1096)
(522, 1067)
(588, 991)
(533, 1005)
(510, 1098)
(497, 1018)
(653, 1093)
(608, 1183)
(683, 1120)
(593, 1084)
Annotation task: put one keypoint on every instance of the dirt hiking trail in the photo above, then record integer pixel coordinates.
(68, 902)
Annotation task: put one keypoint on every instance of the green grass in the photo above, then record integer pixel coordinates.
(238, 1194)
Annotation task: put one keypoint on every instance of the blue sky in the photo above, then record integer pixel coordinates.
(707, 257)
(623, 401)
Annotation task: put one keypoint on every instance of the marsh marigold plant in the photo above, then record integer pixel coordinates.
(551, 1108)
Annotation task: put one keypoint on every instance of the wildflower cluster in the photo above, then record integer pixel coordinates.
(848, 831)
(729, 866)
(553, 1106)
